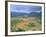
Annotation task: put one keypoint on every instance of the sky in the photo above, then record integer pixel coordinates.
(24, 8)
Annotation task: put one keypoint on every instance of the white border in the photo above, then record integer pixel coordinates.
(32, 32)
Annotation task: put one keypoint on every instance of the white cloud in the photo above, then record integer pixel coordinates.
(24, 11)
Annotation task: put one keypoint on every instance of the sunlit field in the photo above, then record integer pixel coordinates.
(20, 24)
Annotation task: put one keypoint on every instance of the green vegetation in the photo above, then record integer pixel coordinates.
(14, 23)
(20, 30)
(33, 25)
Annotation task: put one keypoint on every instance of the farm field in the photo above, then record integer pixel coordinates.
(22, 24)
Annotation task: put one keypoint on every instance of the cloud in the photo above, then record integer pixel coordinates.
(25, 8)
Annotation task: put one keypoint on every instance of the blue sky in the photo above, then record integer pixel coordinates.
(24, 8)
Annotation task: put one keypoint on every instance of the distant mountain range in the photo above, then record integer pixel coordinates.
(26, 14)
